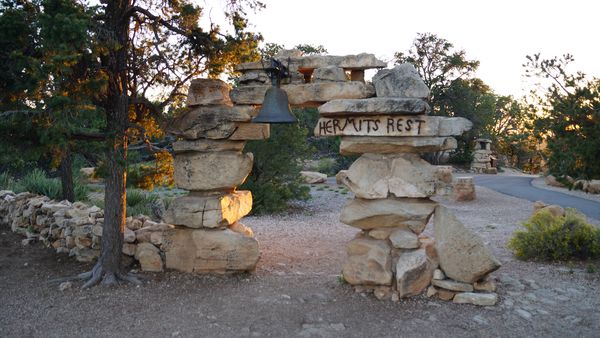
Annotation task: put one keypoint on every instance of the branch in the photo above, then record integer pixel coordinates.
(156, 19)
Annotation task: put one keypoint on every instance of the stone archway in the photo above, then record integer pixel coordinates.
(386, 122)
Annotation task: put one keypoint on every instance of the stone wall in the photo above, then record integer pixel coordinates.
(76, 229)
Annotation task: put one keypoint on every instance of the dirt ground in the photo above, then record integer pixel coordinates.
(295, 290)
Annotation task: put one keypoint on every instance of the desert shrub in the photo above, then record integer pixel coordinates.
(140, 202)
(275, 178)
(7, 182)
(556, 238)
(37, 182)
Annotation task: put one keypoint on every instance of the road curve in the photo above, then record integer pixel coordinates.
(520, 186)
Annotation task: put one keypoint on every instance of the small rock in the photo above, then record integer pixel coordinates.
(449, 284)
(65, 285)
(446, 295)
(404, 239)
(438, 274)
(313, 177)
(482, 299)
(383, 292)
(480, 320)
(431, 291)
(487, 285)
(524, 314)
(129, 235)
(149, 257)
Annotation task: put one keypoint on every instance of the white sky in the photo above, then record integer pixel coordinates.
(497, 33)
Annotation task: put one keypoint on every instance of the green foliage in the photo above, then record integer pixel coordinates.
(570, 117)
(140, 202)
(275, 178)
(7, 182)
(556, 238)
(37, 182)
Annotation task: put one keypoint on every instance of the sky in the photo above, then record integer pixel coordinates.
(497, 33)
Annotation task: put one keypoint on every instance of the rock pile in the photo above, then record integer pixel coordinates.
(483, 161)
(209, 162)
(76, 229)
(393, 186)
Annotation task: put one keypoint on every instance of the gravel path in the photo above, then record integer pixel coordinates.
(295, 290)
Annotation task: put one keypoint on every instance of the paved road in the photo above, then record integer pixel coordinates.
(521, 187)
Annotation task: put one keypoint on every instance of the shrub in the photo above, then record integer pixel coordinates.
(275, 178)
(140, 202)
(37, 182)
(556, 238)
(7, 182)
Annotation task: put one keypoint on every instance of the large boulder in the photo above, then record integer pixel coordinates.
(212, 171)
(593, 187)
(209, 211)
(369, 262)
(375, 106)
(204, 92)
(412, 213)
(553, 182)
(401, 81)
(376, 176)
(414, 271)
(206, 251)
(462, 254)
(357, 145)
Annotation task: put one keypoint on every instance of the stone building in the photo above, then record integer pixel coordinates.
(484, 161)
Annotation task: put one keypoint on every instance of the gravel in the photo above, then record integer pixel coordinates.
(295, 290)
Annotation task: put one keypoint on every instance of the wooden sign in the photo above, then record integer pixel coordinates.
(391, 125)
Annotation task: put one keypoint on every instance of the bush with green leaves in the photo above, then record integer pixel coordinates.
(37, 182)
(556, 238)
(275, 178)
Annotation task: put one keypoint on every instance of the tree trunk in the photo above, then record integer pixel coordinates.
(116, 105)
(66, 175)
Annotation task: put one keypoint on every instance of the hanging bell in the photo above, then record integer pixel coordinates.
(275, 108)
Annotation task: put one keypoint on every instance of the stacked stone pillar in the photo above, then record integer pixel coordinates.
(209, 162)
(391, 183)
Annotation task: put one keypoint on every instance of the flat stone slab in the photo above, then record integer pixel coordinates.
(481, 299)
(375, 106)
(349, 62)
(209, 211)
(207, 145)
(392, 125)
(452, 285)
(356, 145)
(211, 171)
(412, 213)
(308, 94)
(210, 122)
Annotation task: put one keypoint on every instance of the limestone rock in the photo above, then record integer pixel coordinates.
(129, 249)
(555, 210)
(128, 235)
(308, 94)
(312, 177)
(463, 256)
(149, 257)
(452, 285)
(251, 131)
(446, 295)
(241, 229)
(383, 292)
(85, 255)
(382, 233)
(413, 273)
(356, 145)
(375, 106)
(485, 285)
(219, 251)
(210, 122)
(341, 176)
(207, 145)
(552, 181)
(204, 92)
(329, 74)
(376, 176)
(464, 189)
(254, 77)
(391, 125)
(593, 187)
(369, 262)
(387, 213)
(431, 291)
(482, 299)
(439, 274)
(404, 239)
(299, 62)
(209, 211)
(401, 81)
(211, 171)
